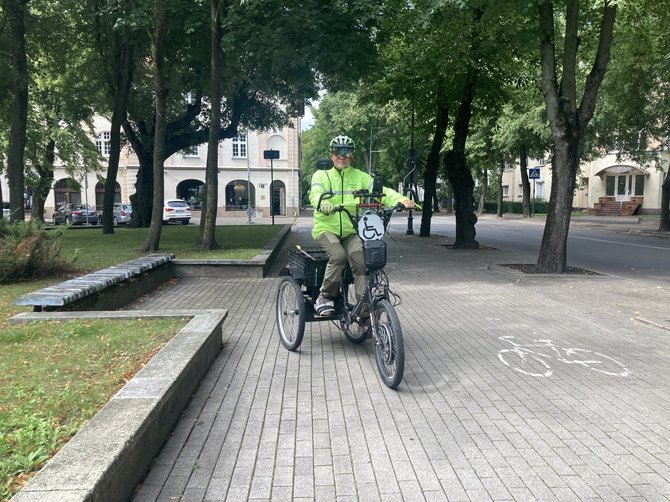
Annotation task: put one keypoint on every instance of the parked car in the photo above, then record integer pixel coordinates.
(5, 209)
(75, 214)
(176, 210)
(122, 213)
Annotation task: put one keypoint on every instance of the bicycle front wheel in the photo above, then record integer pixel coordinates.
(290, 310)
(388, 344)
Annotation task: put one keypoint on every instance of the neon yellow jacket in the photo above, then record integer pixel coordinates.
(342, 184)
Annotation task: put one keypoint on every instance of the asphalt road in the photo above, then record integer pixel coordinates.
(606, 249)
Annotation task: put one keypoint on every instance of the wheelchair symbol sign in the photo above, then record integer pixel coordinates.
(371, 227)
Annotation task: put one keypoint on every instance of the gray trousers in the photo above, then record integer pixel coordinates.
(339, 251)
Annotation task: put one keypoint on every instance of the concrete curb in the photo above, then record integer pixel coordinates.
(112, 453)
(258, 266)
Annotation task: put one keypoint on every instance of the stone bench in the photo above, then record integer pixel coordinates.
(106, 289)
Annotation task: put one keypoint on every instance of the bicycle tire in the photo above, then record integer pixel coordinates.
(349, 296)
(290, 313)
(389, 347)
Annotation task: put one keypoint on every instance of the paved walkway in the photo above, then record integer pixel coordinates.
(471, 420)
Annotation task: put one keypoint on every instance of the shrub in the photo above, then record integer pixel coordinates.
(28, 251)
(515, 207)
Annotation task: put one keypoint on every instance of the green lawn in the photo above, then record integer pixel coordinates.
(95, 250)
(54, 376)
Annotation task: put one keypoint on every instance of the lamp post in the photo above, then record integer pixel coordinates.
(411, 165)
(250, 210)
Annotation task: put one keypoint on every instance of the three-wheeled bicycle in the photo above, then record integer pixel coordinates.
(298, 291)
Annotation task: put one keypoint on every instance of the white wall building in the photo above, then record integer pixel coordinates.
(241, 163)
(602, 179)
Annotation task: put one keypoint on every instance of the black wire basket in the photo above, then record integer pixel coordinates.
(308, 268)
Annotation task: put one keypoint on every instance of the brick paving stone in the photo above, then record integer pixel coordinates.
(470, 420)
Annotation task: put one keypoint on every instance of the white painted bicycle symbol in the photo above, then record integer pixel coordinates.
(526, 359)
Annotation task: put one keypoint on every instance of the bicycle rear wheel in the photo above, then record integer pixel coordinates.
(290, 311)
(389, 346)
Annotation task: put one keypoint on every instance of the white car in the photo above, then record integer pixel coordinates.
(176, 210)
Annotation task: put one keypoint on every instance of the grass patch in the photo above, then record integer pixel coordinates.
(95, 250)
(54, 376)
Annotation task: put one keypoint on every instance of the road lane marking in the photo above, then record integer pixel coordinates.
(617, 242)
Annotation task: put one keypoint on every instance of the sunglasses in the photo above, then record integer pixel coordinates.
(341, 152)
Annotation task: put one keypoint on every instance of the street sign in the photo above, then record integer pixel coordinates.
(270, 154)
(534, 173)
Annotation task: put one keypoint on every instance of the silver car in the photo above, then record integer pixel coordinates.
(122, 213)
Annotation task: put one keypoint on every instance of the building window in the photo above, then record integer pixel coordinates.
(639, 184)
(191, 151)
(102, 143)
(540, 162)
(505, 189)
(240, 147)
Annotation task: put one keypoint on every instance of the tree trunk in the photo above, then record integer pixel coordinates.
(45, 171)
(152, 241)
(455, 163)
(665, 204)
(501, 170)
(553, 252)
(525, 183)
(450, 198)
(432, 167)
(15, 11)
(461, 180)
(567, 120)
(208, 229)
(485, 189)
(120, 86)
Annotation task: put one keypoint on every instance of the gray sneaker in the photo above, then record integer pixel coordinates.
(324, 306)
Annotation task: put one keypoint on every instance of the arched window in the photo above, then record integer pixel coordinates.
(240, 195)
(193, 192)
(277, 142)
(67, 191)
(100, 194)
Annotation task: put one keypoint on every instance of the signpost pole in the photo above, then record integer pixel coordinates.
(271, 155)
(533, 174)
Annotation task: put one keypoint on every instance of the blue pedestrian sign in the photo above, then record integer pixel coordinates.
(534, 173)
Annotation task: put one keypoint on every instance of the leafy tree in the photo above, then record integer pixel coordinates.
(633, 113)
(522, 131)
(116, 42)
(381, 131)
(275, 53)
(444, 56)
(15, 12)
(208, 224)
(567, 119)
(161, 90)
(62, 102)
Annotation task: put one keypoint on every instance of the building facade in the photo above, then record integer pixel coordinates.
(604, 179)
(247, 181)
